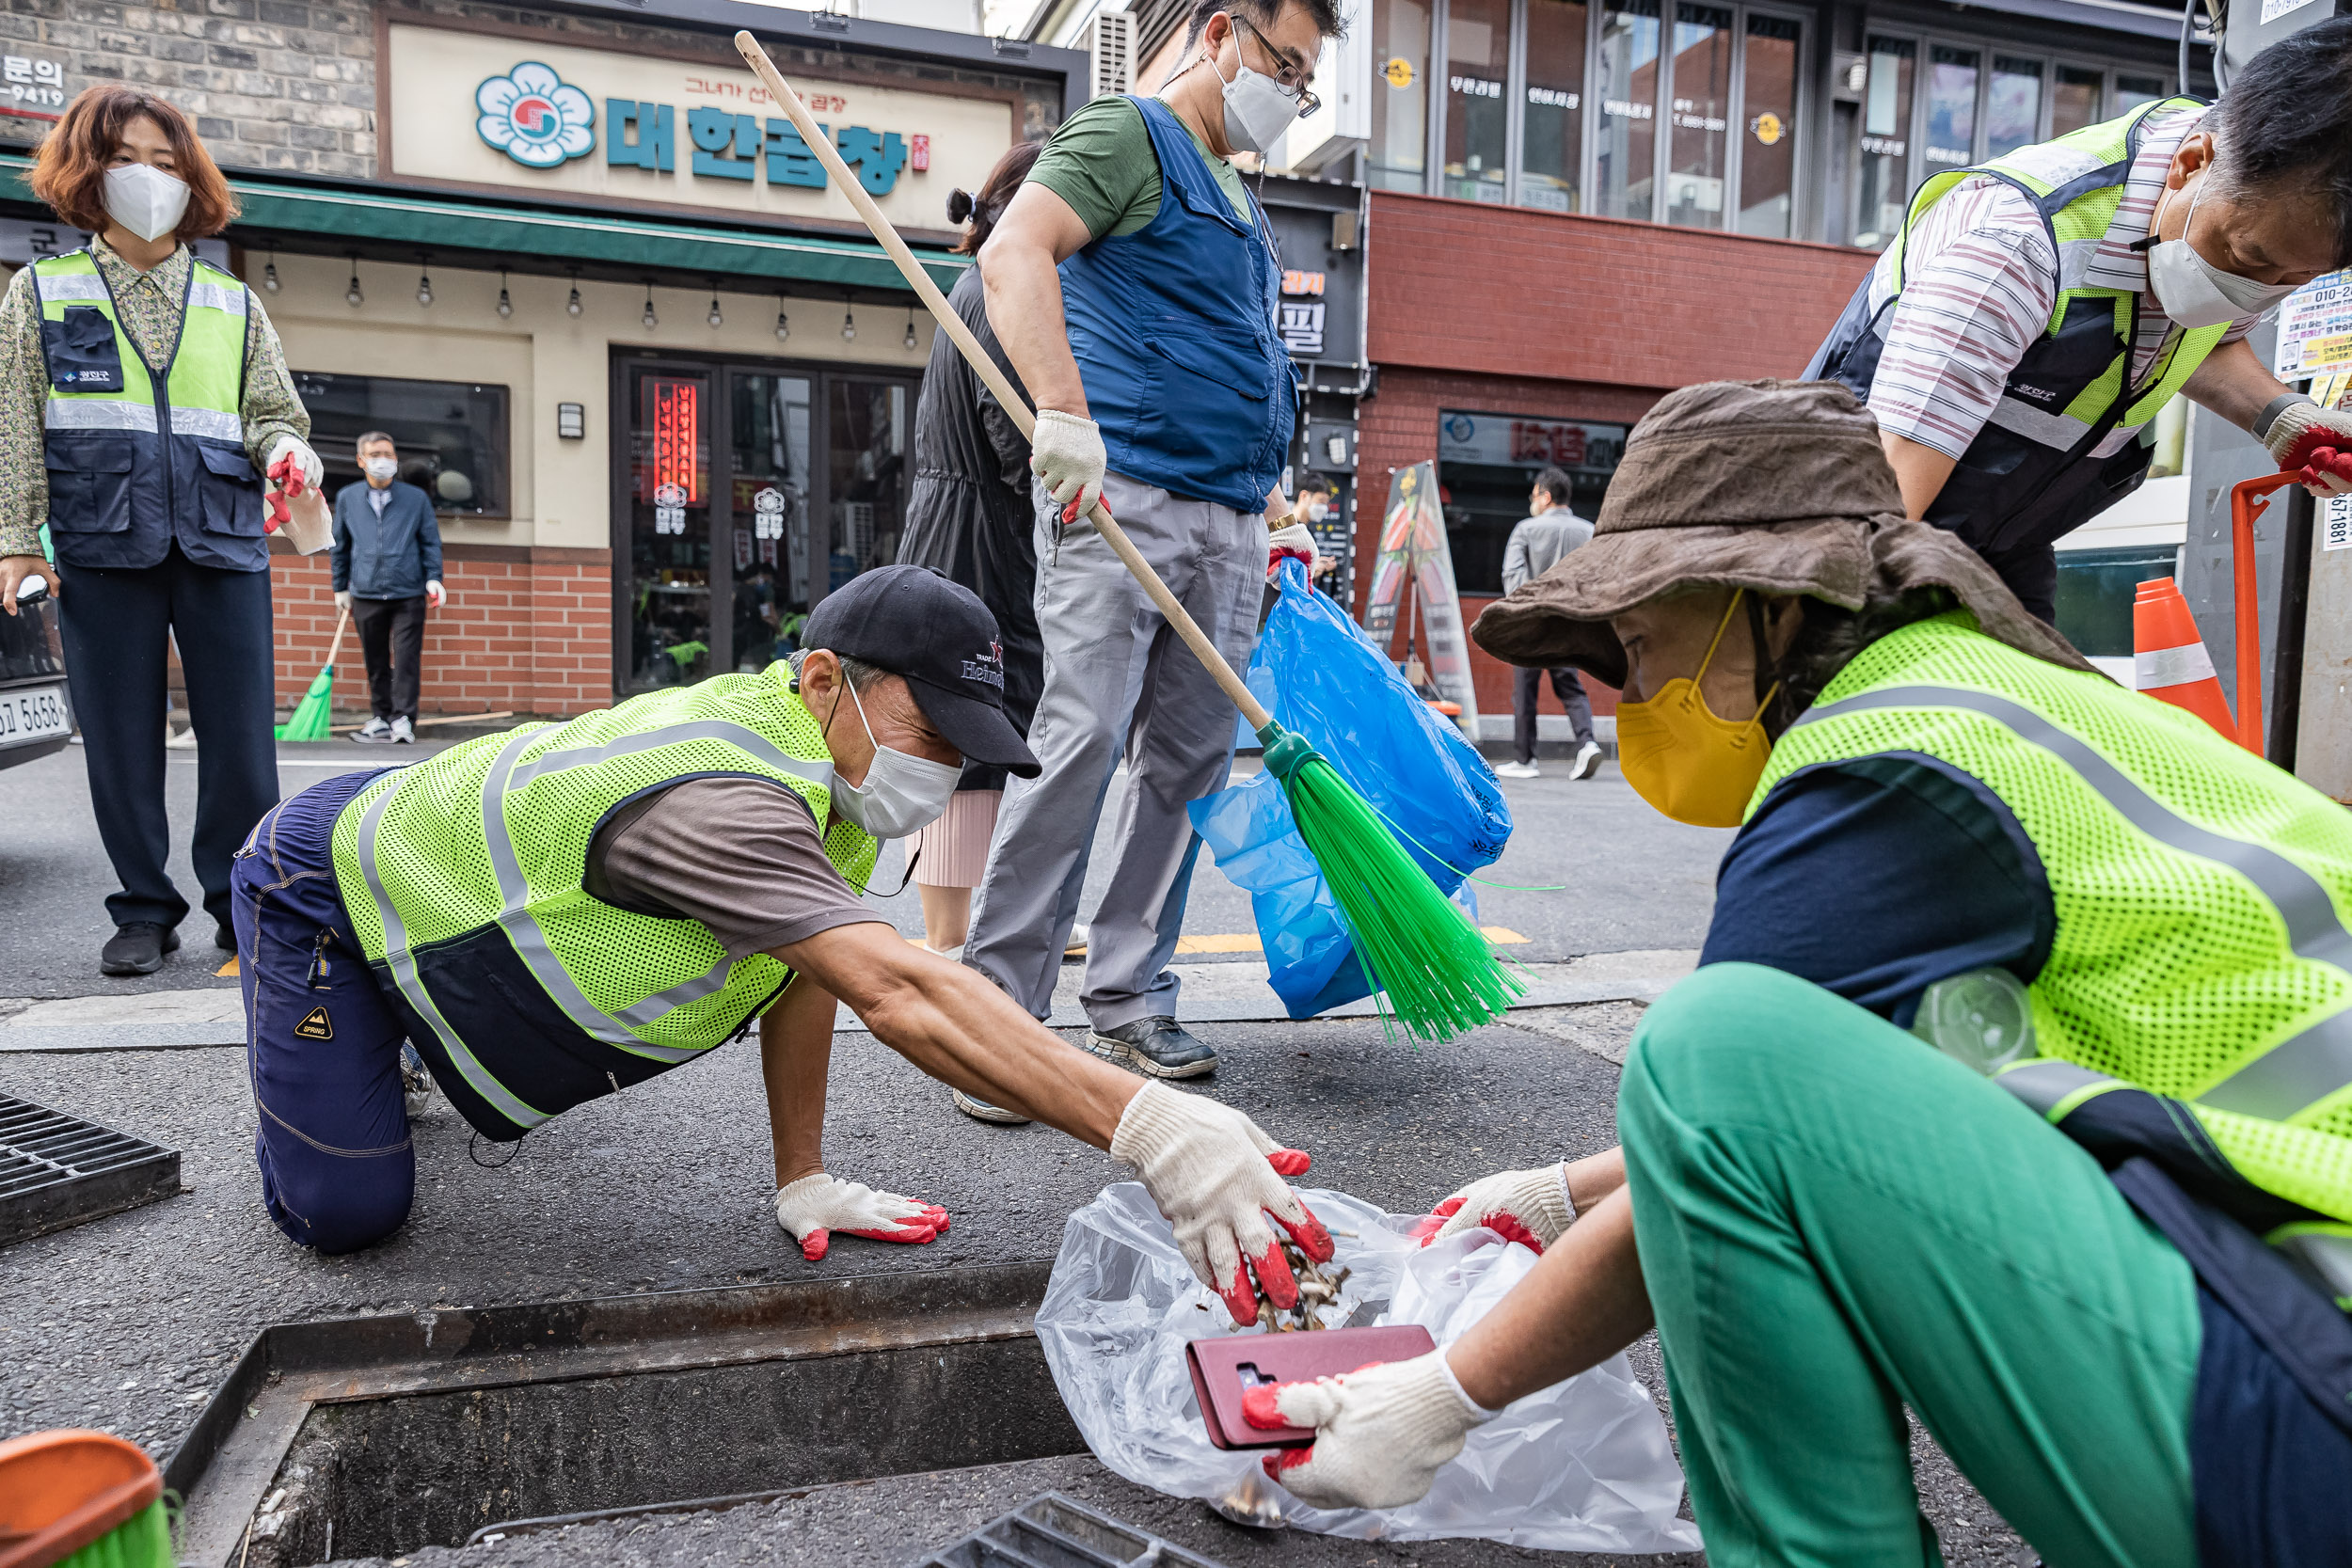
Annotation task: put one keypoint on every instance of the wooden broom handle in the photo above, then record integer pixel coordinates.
(337, 645)
(985, 367)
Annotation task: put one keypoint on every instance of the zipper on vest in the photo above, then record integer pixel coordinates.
(321, 969)
(612, 1079)
(744, 1028)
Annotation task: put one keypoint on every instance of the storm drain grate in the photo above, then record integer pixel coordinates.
(58, 1170)
(1052, 1532)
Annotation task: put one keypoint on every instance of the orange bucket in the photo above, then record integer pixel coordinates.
(59, 1491)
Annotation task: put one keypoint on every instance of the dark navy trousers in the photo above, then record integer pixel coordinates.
(321, 1044)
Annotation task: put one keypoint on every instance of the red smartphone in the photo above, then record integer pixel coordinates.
(1226, 1367)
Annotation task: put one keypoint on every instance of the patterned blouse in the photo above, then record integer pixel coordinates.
(149, 304)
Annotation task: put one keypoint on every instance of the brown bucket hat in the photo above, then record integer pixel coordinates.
(1780, 486)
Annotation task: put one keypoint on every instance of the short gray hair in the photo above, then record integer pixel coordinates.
(861, 675)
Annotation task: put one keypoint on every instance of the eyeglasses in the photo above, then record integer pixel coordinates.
(1288, 77)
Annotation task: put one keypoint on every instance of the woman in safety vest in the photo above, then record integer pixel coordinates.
(1826, 1217)
(2022, 330)
(143, 394)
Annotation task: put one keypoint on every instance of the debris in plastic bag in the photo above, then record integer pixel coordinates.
(1584, 1466)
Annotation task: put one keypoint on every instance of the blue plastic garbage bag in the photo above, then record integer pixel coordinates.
(1334, 686)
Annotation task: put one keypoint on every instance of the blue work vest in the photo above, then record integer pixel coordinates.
(139, 459)
(1173, 330)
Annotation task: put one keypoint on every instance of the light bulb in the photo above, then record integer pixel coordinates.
(910, 336)
(715, 318)
(506, 305)
(849, 325)
(425, 287)
(650, 320)
(571, 306)
(269, 278)
(784, 328)
(352, 297)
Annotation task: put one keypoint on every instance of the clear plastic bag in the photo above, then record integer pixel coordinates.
(1584, 1466)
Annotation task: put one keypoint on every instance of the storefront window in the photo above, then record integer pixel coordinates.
(451, 435)
(769, 440)
(2012, 106)
(668, 527)
(1701, 111)
(1625, 162)
(1886, 174)
(2132, 91)
(1951, 130)
(867, 468)
(1768, 148)
(1555, 126)
(1486, 465)
(1477, 118)
(2074, 102)
(1400, 96)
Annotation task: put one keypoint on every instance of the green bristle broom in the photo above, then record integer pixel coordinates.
(1439, 972)
(309, 718)
(80, 1500)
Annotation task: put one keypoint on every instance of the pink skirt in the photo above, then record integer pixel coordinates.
(954, 850)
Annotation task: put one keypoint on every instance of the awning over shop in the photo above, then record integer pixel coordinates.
(329, 218)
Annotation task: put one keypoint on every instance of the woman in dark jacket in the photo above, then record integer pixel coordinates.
(969, 516)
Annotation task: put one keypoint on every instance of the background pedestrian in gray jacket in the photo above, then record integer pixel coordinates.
(388, 570)
(1536, 547)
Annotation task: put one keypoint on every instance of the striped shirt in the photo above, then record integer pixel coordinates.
(1982, 280)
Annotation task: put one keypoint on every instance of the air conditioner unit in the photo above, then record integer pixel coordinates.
(1109, 43)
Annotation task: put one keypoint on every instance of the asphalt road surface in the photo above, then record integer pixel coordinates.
(127, 1323)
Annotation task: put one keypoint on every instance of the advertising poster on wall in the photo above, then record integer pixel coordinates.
(1413, 551)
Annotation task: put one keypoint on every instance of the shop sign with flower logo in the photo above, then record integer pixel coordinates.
(532, 116)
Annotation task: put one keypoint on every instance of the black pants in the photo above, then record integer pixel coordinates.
(391, 638)
(1526, 686)
(113, 621)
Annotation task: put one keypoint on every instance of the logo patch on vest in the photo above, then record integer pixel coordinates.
(2037, 394)
(315, 1025)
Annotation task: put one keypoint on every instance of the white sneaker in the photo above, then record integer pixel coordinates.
(373, 733)
(403, 733)
(1076, 946)
(1518, 770)
(953, 955)
(1587, 761)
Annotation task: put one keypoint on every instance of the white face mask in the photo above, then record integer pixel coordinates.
(381, 467)
(2194, 292)
(901, 793)
(1315, 509)
(1257, 110)
(145, 200)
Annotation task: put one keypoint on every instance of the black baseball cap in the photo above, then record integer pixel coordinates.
(913, 622)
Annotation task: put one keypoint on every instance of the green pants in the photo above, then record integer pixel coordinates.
(1835, 1221)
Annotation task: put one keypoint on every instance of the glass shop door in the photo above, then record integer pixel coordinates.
(662, 566)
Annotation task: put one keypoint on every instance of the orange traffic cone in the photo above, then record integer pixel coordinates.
(2168, 658)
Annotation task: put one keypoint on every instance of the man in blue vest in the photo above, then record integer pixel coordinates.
(1133, 283)
(2018, 338)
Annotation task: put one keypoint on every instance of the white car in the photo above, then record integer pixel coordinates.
(36, 716)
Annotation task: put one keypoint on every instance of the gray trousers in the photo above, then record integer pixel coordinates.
(1119, 681)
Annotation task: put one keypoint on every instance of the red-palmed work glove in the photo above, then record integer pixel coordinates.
(2316, 441)
(813, 1208)
(1218, 1178)
(1290, 542)
(1530, 1207)
(1066, 455)
(1382, 1431)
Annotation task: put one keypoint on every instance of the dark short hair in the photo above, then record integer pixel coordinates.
(2283, 130)
(1314, 484)
(978, 212)
(1556, 484)
(361, 444)
(69, 170)
(1265, 13)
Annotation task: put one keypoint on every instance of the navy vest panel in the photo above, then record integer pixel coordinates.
(121, 496)
(1173, 330)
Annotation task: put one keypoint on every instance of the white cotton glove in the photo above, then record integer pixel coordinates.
(1066, 455)
(1217, 1177)
(2316, 441)
(1381, 1431)
(306, 461)
(435, 594)
(1293, 541)
(1530, 1207)
(813, 1208)
(342, 599)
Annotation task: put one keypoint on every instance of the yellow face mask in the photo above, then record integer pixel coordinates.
(1684, 760)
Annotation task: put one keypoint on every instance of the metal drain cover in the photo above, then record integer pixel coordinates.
(58, 1170)
(1053, 1530)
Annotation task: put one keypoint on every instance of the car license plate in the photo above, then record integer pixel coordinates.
(33, 713)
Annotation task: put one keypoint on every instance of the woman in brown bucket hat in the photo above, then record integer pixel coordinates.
(1950, 828)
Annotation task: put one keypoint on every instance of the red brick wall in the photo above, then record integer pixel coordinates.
(1507, 291)
(525, 631)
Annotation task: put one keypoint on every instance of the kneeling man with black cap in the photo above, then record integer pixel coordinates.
(561, 911)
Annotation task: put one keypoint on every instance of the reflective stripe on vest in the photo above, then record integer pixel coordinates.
(2291, 1076)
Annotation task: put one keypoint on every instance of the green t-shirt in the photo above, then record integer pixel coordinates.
(1101, 162)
